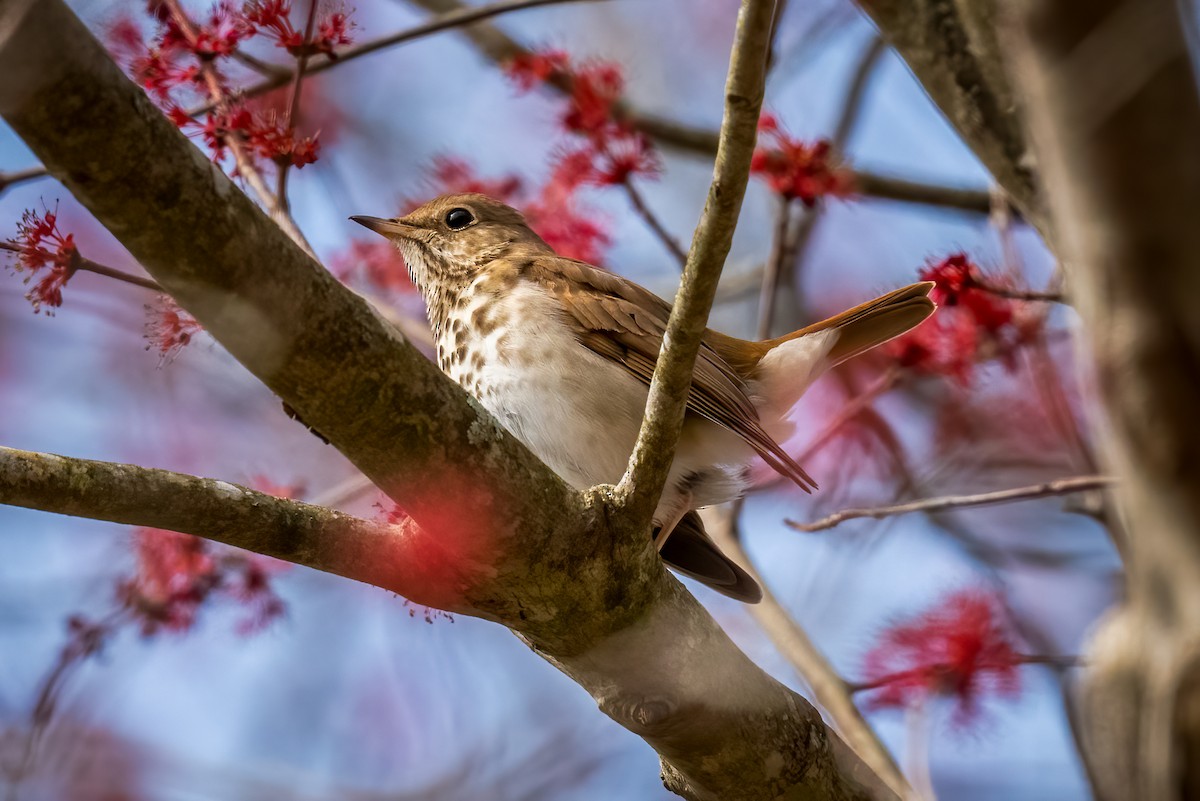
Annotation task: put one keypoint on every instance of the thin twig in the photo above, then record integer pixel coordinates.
(10, 179)
(1058, 662)
(1048, 296)
(639, 205)
(829, 690)
(90, 266)
(293, 109)
(856, 94)
(453, 19)
(1063, 486)
(775, 265)
(640, 487)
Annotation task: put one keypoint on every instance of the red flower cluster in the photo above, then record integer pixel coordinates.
(797, 170)
(177, 573)
(171, 68)
(273, 18)
(960, 648)
(612, 148)
(40, 246)
(169, 328)
(972, 323)
(262, 132)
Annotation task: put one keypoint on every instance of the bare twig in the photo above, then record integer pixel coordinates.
(9, 179)
(90, 266)
(643, 481)
(1048, 296)
(664, 236)
(830, 691)
(293, 109)
(1064, 486)
(463, 15)
(780, 251)
(1058, 662)
(852, 106)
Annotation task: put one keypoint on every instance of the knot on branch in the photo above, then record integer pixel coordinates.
(648, 717)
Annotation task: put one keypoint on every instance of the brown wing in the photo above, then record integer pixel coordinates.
(621, 321)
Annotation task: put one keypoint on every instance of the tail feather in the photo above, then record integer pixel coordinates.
(690, 551)
(872, 323)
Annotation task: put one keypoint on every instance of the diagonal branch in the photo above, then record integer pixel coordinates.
(496, 534)
(301, 533)
(1063, 486)
(643, 481)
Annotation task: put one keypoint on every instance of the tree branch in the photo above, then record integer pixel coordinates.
(1063, 486)
(1111, 97)
(496, 534)
(950, 46)
(643, 481)
(300, 533)
(829, 689)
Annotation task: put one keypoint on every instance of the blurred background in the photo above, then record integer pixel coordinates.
(284, 682)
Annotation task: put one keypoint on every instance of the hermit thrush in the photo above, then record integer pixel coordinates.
(562, 353)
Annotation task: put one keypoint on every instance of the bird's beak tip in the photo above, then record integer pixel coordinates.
(376, 224)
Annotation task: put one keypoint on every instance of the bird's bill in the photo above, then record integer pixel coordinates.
(388, 228)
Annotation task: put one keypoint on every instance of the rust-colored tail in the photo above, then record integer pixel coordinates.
(871, 323)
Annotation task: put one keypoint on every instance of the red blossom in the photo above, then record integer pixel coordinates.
(273, 18)
(220, 35)
(48, 255)
(960, 648)
(178, 573)
(612, 150)
(169, 328)
(971, 324)
(798, 170)
(527, 70)
(624, 156)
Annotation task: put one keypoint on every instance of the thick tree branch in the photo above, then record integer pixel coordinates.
(300, 533)
(496, 534)
(1111, 97)
(643, 481)
(950, 46)
(1063, 486)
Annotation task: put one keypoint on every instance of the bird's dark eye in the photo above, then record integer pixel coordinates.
(458, 219)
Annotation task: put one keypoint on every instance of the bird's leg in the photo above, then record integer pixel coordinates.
(664, 531)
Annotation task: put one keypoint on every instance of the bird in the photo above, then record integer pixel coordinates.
(562, 353)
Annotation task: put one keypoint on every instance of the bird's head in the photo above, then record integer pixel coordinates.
(447, 241)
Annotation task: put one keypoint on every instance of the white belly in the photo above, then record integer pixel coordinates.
(579, 412)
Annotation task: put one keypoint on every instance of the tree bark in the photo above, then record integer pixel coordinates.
(951, 47)
(496, 534)
(1113, 108)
